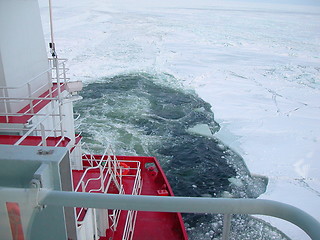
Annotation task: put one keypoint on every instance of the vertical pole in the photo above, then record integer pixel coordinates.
(60, 120)
(43, 135)
(50, 84)
(54, 112)
(52, 44)
(101, 176)
(59, 96)
(29, 95)
(56, 63)
(64, 72)
(226, 226)
(5, 104)
(94, 215)
(51, 25)
(83, 187)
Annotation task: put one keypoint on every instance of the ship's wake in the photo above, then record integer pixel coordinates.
(148, 114)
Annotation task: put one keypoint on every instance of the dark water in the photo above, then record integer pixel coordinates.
(144, 114)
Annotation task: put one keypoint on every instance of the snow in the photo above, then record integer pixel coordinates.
(255, 62)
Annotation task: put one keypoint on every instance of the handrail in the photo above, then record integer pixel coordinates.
(60, 61)
(104, 167)
(132, 214)
(83, 184)
(26, 83)
(109, 167)
(167, 204)
(31, 93)
(28, 98)
(34, 127)
(90, 168)
(184, 204)
(35, 100)
(31, 110)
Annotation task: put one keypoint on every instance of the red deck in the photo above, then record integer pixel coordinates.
(33, 141)
(149, 225)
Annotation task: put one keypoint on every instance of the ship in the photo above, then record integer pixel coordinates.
(52, 187)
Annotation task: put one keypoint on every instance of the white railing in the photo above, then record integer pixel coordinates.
(44, 197)
(116, 173)
(52, 74)
(108, 167)
(26, 87)
(111, 171)
(59, 70)
(132, 214)
(55, 74)
(83, 182)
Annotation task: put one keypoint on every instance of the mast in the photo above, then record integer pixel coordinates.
(52, 43)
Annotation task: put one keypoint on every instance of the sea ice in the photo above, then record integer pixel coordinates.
(201, 129)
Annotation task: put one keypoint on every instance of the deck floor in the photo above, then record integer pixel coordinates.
(149, 225)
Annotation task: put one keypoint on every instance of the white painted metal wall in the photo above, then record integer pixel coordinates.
(23, 53)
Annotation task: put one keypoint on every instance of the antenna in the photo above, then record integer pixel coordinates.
(52, 44)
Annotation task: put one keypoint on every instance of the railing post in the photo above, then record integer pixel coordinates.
(5, 104)
(226, 226)
(101, 176)
(60, 119)
(30, 96)
(94, 216)
(64, 72)
(54, 125)
(56, 64)
(83, 187)
(43, 135)
(50, 84)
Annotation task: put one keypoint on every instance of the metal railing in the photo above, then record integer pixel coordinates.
(168, 204)
(55, 74)
(84, 181)
(111, 170)
(187, 205)
(27, 86)
(132, 214)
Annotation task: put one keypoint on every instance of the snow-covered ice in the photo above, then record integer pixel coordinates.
(256, 63)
